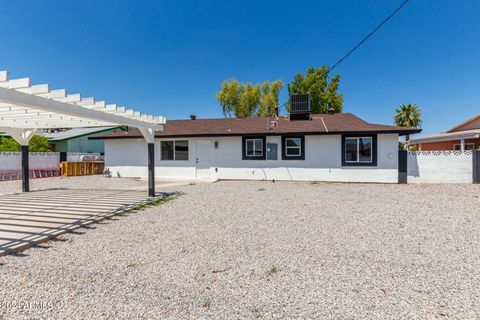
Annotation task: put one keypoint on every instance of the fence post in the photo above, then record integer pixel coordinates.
(476, 166)
(402, 166)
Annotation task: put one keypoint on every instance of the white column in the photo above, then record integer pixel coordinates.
(462, 144)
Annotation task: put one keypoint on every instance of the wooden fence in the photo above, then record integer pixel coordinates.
(81, 168)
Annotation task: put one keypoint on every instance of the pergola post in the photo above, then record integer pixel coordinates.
(149, 136)
(25, 170)
(151, 169)
(23, 138)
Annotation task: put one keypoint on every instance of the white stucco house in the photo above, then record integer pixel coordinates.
(327, 147)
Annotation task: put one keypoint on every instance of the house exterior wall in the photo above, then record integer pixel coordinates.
(440, 167)
(128, 158)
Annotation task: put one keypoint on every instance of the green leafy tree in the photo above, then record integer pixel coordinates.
(408, 115)
(269, 98)
(229, 96)
(323, 93)
(247, 99)
(9, 145)
(36, 144)
(39, 144)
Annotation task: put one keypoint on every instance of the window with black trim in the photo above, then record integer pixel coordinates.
(174, 150)
(253, 148)
(293, 148)
(359, 151)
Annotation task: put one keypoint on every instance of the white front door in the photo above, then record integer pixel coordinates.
(203, 160)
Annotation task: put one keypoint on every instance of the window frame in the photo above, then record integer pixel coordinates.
(301, 156)
(174, 149)
(358, 163)
(254, 157)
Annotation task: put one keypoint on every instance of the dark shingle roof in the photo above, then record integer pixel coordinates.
(320, 124)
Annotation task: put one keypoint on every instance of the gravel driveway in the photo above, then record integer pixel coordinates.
(239, 250)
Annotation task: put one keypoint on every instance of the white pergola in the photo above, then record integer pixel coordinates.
(26, 108)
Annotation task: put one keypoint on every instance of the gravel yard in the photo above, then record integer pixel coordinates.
(240, 250)
(82, 182)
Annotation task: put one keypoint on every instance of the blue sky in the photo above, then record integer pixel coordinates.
(170, 57)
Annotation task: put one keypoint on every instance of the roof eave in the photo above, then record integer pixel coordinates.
(276, 133)
(440, 137)
(84, 134)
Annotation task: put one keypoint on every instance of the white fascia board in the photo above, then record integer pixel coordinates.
(40, 103)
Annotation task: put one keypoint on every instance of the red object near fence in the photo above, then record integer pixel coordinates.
(34, 174)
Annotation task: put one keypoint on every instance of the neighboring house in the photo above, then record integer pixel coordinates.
(76, 139)
(464, 136)
(328, 147)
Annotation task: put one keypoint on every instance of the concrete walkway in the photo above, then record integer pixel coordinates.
(27, 219)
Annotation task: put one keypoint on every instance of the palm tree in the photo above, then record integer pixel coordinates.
(408, 115)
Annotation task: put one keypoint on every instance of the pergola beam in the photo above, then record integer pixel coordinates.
(49, 105)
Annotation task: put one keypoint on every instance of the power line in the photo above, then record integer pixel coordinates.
(369, 35)
(361, 42)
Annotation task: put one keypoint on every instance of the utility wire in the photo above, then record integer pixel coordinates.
(362, 41)
(369, 35)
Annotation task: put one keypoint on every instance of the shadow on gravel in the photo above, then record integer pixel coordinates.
(111, 217)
